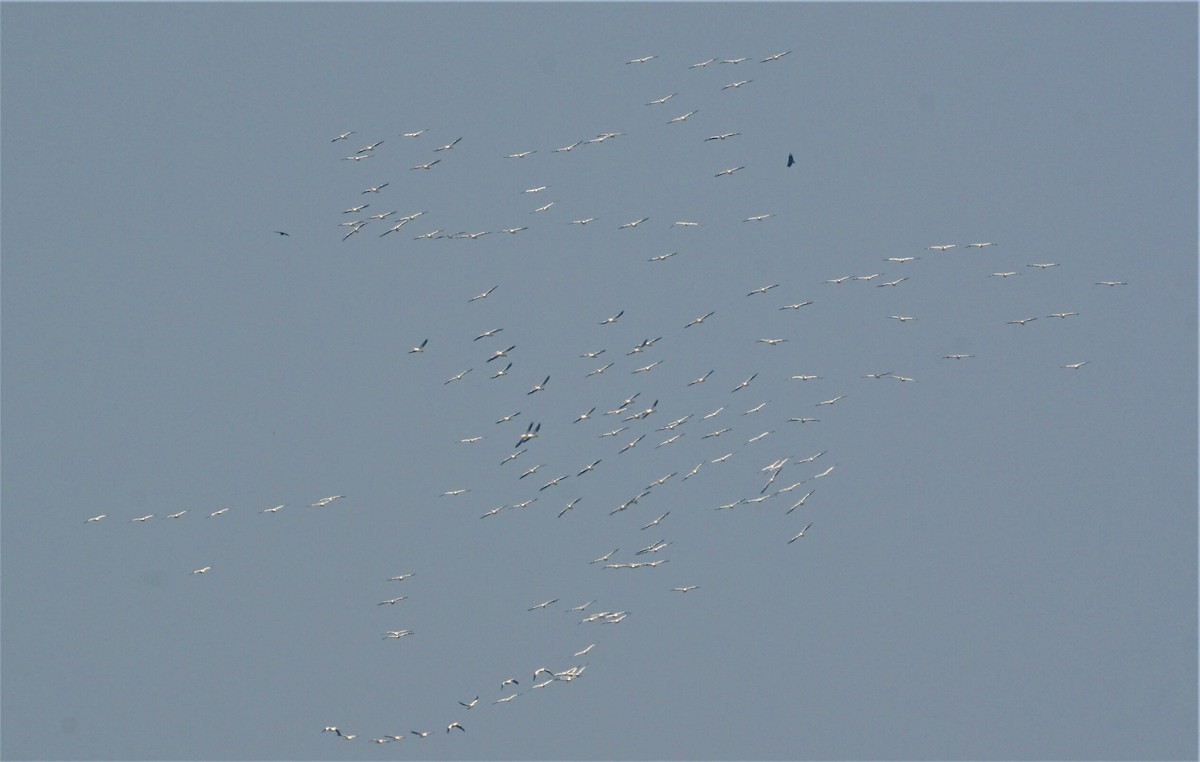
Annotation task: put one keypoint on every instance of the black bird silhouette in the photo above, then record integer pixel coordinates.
(280, 232)
(791, 160)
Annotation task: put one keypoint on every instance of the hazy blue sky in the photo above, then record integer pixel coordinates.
(1001, 564)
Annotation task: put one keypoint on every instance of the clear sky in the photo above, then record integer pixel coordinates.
(1000, 564)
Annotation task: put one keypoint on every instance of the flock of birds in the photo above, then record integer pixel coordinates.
(617, 426)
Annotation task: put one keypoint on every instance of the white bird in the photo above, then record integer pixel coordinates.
(585, 650)
(454, 492)
(657, 520)
(745, 383)
(1111, 283)
(1022, 321)
(582, 222)
(763, 289)
(530, 433)
(826, 472)
(568, 148)
(541, 605)
(568, 507)
(801, 534)
(832, 401)
(956, 357)
(758, 218)
(326, 501)
(649, 367)
(589, 467)
(275, 509)
(375, 188)
(976, 245)
(722, 136)
(421, 733)
(613, 318)
(392, 601)
(552, 482)
(471, 703)
(1005, 274)
(416, 134)
(805, 378)
(1043, 265)
(419, 348)
(449, 145)
(942, 247)
(728, 171)
(343, 136)
(1077, 365)
(663, 99)
(356, 209)
(454, 725)
(427, 165)
(531, 470)
(1063, 315)
(507, 698)
(457, 376)
(371, 147)
(483, 295)
(661, 257)
(538, 189)
(396, 634)
(633, 224)
(602, 559)
(901, 259)
(737, 84)
(896, 282)
(96, 518)
(702, 63)
(799, 502)
(543, 208)
(903, 318)
(218, 512)
(500, 353)
(520, 155)
(643, 59)
(681, 117)
(202, 570)
(599, 370)
(539, 387)
(770, 342)
(775, 56)
(735, 60)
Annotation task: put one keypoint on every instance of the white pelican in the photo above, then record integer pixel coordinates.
(979, 245)
(1022, 321)
(902, 318)
(421, 733)
(177, 515)
(275, 509)
(657, 520)
(371, 147)
(566, 508)
(801, 534)
(800, 502)
(454, 725)
(699, 320)
(612, 319)
(1043, 265)
(543, 208)
(326, 501)
(599, 370)
(483, 295)
(663, 99)
(633, 224)
(775, 56)
(392, 601)
(681, 117)
(804, 420)
(588, 467)
(1063, 315)
(541, 605)
(702, 63)
(419, 348)
(585, 650)
(520, 155)
(202, 570)
(471, 703)
(770, 342)
(737, 84)
(531, 432)
(643, 59)
(457, 376)
(661, 257)
(734, 60)
(401, 577)
(901, 259)
(500, 353)
(343, 136)
(1076, 365)
(1111, 283)
(722, 136)
(763, 289)
(649, 367)
(758, 218)
(729, 171)
(356, 209)
(568, 148)
(956, 357)
(454, 492)
(826, 472)
(539, 387)
(375, 188)
(427, 165)
(95, 518)
(218, 512)
(582, 222)
(601, 560)
(832, 401)
(1008, 274)
(745, 383)
(507, 698)
(896, 282)
(449, 145)
(552, 482)
(416, 134)
(942, 247)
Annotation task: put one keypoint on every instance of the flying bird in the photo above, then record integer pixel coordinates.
(791, 160)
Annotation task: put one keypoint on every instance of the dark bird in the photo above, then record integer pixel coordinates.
(280, 232)
(791, 160)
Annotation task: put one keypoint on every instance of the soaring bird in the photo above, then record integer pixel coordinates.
(791, 160)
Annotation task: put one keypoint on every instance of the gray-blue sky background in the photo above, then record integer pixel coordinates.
(1001, 565)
